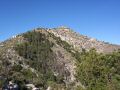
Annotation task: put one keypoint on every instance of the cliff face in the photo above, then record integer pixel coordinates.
(46, 57)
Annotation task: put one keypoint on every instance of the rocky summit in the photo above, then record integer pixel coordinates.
(59, 59)
(79, 41)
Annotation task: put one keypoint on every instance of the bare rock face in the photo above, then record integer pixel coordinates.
(83, 42)
(65, 64)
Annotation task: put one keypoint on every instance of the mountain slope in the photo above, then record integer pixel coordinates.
(81, 41)
(59, 59)
(38, 54)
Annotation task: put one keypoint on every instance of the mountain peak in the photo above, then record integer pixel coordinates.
(54, 55)
(81, 41)
(63, 28)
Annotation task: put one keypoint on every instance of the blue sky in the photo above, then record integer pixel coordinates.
(95, 18)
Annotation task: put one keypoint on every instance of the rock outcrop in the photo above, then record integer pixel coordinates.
(82, 42)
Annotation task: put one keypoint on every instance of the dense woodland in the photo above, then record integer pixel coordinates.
(96, 71)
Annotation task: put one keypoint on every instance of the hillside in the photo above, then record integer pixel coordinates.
(59, 59)
(81, 41)
(37, 54)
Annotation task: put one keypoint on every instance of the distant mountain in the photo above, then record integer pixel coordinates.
(48, 58)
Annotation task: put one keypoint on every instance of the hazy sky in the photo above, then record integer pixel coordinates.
(96, 18)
